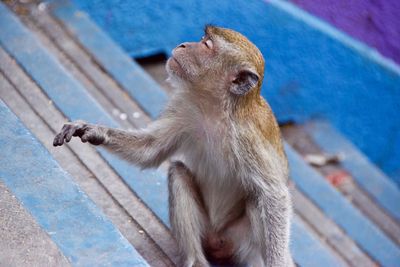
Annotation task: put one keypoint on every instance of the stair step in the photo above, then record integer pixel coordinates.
(326, 228)
(301, 137)
(70, 218)
(23, 241)
(367, 235)
(308, 250)
(368, 176)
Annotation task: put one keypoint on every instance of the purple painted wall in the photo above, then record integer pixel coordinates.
(375, 22)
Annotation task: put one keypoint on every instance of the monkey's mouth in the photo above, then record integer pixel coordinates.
(172, 60)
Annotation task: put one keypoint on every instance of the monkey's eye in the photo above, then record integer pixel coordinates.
(209, 43)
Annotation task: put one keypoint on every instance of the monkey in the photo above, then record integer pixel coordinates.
(229, 201)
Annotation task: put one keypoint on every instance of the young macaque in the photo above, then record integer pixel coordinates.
(228, 198)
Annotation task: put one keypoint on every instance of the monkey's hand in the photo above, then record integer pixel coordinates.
(94, 134)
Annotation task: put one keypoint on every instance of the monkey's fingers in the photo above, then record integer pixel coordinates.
(66, 134)
(59, 139)
(74, 130)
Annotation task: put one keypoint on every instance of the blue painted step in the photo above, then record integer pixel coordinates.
(72, 99)
(366, 234)
(368, 176)
(81, 231)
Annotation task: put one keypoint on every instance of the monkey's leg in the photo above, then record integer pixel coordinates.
(270, 222)
(187, 215)
(247, 251)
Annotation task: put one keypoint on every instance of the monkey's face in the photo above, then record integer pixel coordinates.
(190, 61)
(223, 61)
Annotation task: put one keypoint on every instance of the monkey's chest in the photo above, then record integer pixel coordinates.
(209, 130)
(223, 202)
(206, 156)
(221, 193)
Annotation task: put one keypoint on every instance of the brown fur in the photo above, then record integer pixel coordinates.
(252, 107)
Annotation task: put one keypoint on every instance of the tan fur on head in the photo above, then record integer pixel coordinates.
(249, 52)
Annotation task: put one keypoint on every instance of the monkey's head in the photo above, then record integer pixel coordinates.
(223, 62)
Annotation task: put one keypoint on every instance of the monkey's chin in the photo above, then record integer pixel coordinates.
(175, 72)
(173, 67)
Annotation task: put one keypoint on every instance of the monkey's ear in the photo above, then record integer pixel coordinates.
(243, 82)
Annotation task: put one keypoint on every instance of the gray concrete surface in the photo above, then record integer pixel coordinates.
(22, 241)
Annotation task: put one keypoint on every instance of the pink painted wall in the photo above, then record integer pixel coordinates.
(375, 22)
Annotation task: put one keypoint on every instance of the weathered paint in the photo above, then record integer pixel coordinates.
(312, 69)
(81, 231)
(18, 41)
(376, 23)
(368, 176)
(76, 103)
(368, 236)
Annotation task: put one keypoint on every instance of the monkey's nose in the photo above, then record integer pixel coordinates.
(183, 45)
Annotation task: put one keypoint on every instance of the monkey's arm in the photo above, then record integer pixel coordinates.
(147, 148)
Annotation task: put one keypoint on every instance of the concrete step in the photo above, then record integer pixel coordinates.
(23, 241)
(73, 222)
(368, 176)
(352, 173)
